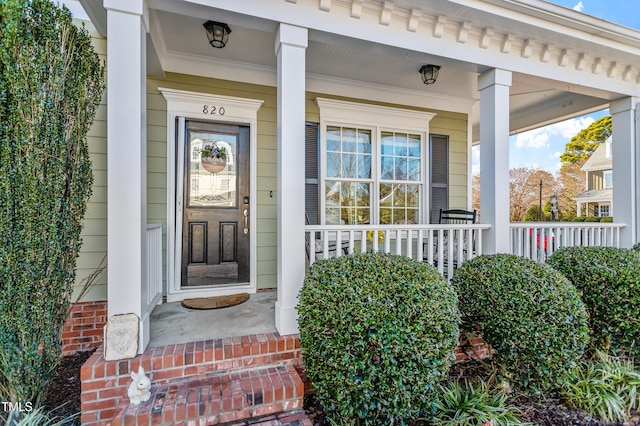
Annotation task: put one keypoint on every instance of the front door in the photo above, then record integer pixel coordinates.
(215, 228)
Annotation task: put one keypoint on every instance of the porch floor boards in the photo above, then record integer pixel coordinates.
(200, 377)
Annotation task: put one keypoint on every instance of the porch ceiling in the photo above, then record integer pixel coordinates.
(179, 44)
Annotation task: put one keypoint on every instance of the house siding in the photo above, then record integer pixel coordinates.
(595, 180)
(95, 232)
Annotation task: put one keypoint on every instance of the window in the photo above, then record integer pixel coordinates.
(603, 210)
(374, 166)
(607, 178)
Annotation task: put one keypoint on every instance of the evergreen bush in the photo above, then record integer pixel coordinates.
(609, 280)
(377, 333)
(51, 81)
(593, 219)
(529, 313)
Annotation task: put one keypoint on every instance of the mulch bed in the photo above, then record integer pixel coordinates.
(65, 390)
(63, 397)
(542, 412)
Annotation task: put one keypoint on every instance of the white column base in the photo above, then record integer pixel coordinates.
(286, 319)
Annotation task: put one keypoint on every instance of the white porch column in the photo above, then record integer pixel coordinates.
(494, 158)
(127, 161)
(291, 43)
(626, 161)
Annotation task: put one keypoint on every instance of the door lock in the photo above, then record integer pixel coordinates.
(246, 220)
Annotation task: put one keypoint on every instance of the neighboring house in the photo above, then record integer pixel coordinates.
(597, 199)
(322, 101)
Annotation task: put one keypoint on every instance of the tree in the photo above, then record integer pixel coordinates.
(572, 181)
(51, 81)
(586, 141)
(524, 190)
(475, 192)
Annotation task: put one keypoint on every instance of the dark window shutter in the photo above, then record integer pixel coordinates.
(311, 161)
(439, 179)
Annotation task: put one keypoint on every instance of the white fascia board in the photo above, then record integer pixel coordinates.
(266, 76)
(339, 21)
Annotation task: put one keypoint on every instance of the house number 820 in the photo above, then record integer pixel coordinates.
(212, 110)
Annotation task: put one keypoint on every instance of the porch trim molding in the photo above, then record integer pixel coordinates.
(127, 162)
(290, 48)
(181, 106)
(626, 163)
(494, 158)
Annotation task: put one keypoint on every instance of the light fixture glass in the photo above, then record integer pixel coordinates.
(429, 73)
(217, 33)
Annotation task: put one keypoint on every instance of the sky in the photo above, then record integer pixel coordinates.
(541, 148)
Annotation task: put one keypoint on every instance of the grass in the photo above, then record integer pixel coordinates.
(606, 387)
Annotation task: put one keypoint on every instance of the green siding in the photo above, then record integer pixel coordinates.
(452, 124)
(94, 232)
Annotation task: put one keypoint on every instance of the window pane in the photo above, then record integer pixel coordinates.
(400, 145)
(387, 168)
(414, 146)
(386, 197)
(332, 217)
(333, 165)
(332, 193)
(413, 169)
(363, 215)
(385, 216)
(364, 166)
(333, 138)
(412, 216)
(413, 195)
(399, 216)
(387, 143)
(362, 194)
(401, 168)
(364, 141)
(399, 198)
(349, 165)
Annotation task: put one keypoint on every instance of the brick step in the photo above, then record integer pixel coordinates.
(257, 396)
(104, 383)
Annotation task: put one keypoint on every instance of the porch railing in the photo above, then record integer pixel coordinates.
(443, 246)
(538, 240)
(152, 291)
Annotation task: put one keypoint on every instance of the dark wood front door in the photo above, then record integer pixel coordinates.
(215, 226)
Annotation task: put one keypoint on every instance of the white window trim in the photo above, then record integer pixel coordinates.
(377, 119)
(181, 106)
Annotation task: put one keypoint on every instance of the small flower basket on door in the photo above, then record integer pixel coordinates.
(213, 158)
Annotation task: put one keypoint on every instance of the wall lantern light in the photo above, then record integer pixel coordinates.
(429, 73)
(217, 33)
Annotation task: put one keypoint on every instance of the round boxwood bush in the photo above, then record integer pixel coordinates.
(609, 280)
(377, 333)
(529, 313)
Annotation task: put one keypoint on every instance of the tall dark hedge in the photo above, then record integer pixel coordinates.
(51, 81)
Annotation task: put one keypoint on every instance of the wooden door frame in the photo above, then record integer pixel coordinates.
(183, 106)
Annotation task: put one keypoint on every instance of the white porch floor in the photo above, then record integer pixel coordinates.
(171, 323)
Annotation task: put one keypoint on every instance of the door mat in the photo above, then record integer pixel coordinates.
(215, 302)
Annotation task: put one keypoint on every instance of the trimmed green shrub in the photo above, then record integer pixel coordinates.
(377, 333)
(609, 281)
(528, 312)
(51, 81)
(593, 219)
(579, 219)
(608, 219)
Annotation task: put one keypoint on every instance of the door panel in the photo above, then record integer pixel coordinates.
(215, 237)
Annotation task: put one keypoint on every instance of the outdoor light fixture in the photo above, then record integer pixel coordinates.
(429, 73)
(217, 33)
